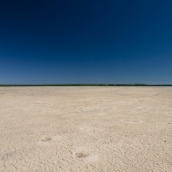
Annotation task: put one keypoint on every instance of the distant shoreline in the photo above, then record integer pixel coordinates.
(38, 85)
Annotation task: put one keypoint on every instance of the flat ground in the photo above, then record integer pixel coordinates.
(80, 129)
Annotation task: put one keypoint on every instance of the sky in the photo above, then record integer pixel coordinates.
(85, 41)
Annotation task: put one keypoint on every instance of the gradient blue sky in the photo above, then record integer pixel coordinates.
(85, 41)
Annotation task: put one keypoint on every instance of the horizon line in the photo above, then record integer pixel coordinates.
(8, 85)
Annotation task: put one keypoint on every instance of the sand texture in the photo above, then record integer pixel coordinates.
(80, 129)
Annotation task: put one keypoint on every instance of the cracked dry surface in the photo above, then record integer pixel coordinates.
(80, 129)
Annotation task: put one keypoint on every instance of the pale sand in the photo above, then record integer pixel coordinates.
(80, 129)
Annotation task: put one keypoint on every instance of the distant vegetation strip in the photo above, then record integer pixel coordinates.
(30, 85)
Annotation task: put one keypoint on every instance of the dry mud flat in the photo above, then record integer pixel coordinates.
(80, 129)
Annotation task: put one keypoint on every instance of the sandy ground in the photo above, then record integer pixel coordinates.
(80, 129)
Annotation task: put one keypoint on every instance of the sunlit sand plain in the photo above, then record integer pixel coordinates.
(80, 129)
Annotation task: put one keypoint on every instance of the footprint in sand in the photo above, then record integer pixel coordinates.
(81, 154)
(164, 123)
(48, 140)
(84, 110)
(168, 123)
(85, 155)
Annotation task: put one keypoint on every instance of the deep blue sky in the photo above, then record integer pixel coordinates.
(85, 41)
